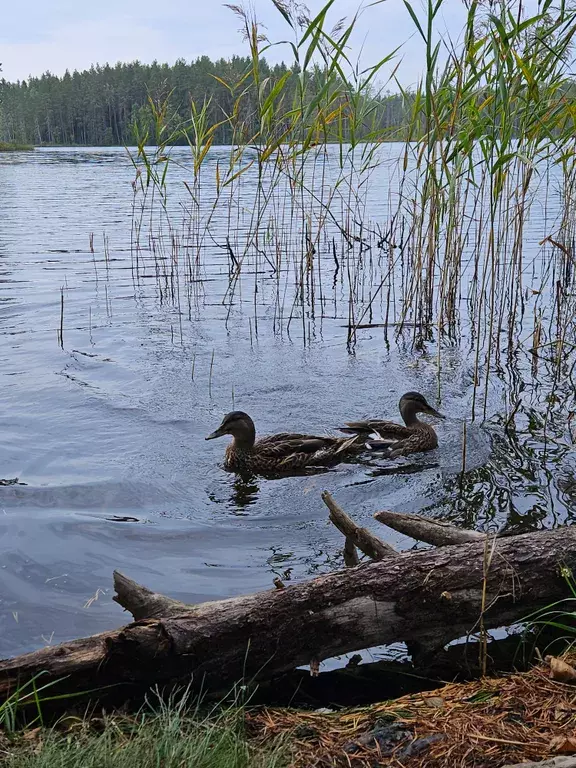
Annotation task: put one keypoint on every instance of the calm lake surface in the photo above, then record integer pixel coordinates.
(105, 431)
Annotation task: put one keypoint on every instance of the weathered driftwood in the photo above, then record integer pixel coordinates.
(355, 535)
(145, 604)
(351, 559)
(425, 598)
(424, 529)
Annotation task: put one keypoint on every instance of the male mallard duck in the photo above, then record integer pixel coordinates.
(279, 453)
(416, 436)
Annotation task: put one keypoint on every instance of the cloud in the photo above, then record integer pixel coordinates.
(62, 34)
(77, 45)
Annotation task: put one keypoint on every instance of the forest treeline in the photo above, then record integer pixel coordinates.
(111, 105)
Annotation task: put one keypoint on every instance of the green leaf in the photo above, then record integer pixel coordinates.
(318, 21)
(284, 12)
(415, 20)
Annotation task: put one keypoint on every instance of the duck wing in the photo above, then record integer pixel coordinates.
(416, 443)
(293, 451)
(285, 437)
(287, 444)
(388, 430)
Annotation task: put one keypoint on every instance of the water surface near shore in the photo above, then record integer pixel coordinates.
(106, 429)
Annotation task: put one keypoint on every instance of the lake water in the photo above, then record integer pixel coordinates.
(105, 427)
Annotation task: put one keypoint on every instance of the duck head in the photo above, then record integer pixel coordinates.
(413, 403)
(239, 425)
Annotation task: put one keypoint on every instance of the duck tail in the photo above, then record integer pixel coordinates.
(346, 444)
(380, 445)
(356, 428)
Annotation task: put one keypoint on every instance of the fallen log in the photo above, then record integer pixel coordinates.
(350, 553)
(425, 598)
(356, 536)
(435, 532)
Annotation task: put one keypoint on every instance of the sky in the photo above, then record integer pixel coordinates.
(56, 35)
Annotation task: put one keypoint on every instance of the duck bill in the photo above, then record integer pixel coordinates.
(217, 433)
(434, 412)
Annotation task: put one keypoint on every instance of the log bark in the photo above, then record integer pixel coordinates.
(355, 535)
(435, 532)
(145, 604)
(426, 597)
(351, 559)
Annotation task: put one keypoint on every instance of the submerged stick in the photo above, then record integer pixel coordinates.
(435, 532)
(210, 376)
(60, 333)
(356, 535)
(351, 559)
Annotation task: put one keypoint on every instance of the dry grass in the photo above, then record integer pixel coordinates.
(483, 724)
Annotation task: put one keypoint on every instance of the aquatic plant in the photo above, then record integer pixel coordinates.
(9, 146)
(558, 618)
(451, 258)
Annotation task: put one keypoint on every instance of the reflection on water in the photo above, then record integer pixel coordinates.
(107, 430)
(395, 468)
(245, 491)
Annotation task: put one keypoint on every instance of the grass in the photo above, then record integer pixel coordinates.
(558, 618)
(171, 735)
(11, 147)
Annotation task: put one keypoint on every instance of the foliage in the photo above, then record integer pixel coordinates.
(172, 735)
(30, 698)
(108, 105)
(482, 130)
(14, 147)
(558, 617)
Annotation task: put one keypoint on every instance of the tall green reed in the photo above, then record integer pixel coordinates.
(490, 125)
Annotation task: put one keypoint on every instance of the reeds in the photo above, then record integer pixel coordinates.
(447, 254)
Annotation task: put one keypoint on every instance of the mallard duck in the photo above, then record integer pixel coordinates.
(401, 440)
(284, 452)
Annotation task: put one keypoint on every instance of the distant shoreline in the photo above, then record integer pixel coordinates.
(9, 147)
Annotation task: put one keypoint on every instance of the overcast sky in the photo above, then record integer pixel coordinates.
(56, 35)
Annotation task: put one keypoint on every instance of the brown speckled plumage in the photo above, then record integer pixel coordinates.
(284, 452)
(402, 439)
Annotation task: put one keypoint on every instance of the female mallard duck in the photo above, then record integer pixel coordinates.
(279, 453)
(416, 436)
